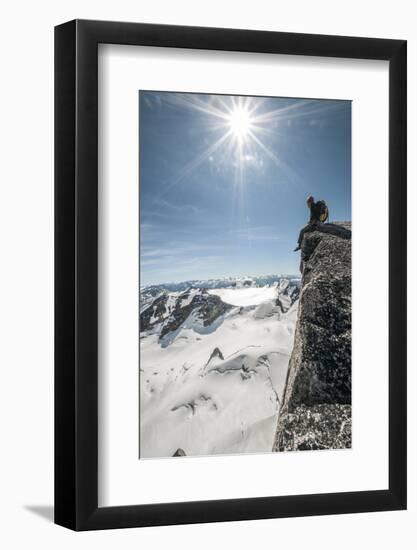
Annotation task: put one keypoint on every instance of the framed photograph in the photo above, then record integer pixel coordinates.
(230, 284)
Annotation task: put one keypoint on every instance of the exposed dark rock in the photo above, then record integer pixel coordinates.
(192, 405)
(170, 312)
(179, 452)
(215, 353)
(293, 291)
(316, 427)
(316, 407)
(210, 307)
(154, 313)
(207, 307)
(337, 229)
(148, 295)
(287, 296)
(280, 304)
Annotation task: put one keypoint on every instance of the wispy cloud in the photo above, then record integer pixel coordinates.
(257, 233)
(169, 207)
(180, 251)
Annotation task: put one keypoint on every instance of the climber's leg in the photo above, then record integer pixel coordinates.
(306, 229)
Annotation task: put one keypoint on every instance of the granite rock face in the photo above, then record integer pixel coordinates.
(314, 428)
(316, 408)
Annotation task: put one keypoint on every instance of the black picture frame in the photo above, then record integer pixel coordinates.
(76, 272)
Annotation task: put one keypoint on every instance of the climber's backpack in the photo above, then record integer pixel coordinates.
(322, 210)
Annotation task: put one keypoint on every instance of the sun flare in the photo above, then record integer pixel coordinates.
(240, 122)
(243, 126)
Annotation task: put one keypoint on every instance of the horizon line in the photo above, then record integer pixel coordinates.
(283, 275)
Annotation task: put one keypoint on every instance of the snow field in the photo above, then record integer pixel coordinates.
(224, 405)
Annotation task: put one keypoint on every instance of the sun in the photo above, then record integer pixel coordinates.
(240, 122)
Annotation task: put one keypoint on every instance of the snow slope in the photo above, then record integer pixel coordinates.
(245, 296)
(216, 388)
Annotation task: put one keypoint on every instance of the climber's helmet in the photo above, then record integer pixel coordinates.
(310, 201)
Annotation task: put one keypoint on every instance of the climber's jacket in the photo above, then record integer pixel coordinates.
(318, 212)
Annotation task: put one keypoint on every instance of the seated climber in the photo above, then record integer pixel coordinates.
(319, 213)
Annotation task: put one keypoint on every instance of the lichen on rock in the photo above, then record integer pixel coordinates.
(316, 408)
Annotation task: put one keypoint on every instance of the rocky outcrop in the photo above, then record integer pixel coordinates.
(155, 313)
(170, 311)
(287, 294)
(179, 452)
(216, 353)
(206, 307)
(316, 407)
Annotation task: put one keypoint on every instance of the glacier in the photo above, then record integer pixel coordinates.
(213, 365)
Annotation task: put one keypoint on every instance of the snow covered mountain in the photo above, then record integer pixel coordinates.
(213, 363)
(222, 282)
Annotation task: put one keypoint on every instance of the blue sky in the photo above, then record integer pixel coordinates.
(224, 180)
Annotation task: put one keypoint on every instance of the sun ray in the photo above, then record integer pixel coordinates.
(279, 162)
(195, 163)
(243, 124)
(305, 108)
(193, 102)
(223, 103)
(281, 112)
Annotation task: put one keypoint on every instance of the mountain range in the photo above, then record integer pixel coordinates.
(214, 357)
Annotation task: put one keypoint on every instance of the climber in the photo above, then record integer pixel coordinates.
(319, 213)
